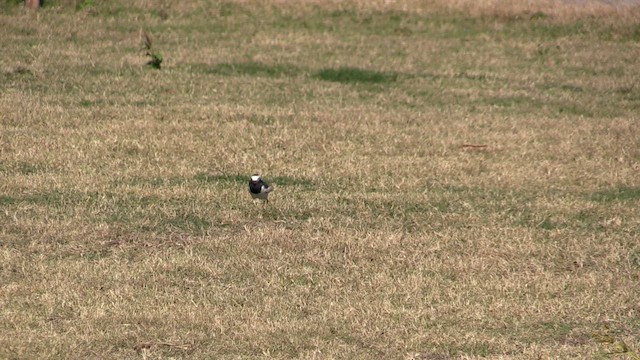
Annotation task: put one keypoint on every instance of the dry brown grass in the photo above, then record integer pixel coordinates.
(452, 182)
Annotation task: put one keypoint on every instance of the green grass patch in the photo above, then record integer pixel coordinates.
(573, 109)
(238, 178)
(624, 193)
(292, 181)
(227, 179)
(189, 222)
(224, 178)
(54, 198)
(250, 68)
(8, 200)
(84, 4)
(22, 167)
(355, 75)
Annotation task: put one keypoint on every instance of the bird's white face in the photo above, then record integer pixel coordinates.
(255, 178)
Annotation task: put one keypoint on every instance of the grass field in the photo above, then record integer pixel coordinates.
(454, 180)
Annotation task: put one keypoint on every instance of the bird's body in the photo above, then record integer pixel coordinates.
(259, 189)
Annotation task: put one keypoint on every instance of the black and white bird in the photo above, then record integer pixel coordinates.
(259, 189)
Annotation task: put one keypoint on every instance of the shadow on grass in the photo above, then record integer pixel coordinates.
(355, 75)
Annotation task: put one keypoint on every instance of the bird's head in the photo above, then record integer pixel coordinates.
(255, 177)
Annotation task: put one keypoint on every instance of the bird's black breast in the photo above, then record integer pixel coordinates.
(255, 187)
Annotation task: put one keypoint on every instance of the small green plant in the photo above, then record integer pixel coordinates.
(155, 60)
(85, 4)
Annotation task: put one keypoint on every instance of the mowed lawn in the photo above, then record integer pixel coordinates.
(452, 180)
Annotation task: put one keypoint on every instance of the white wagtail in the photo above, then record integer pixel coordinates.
(259, 189)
